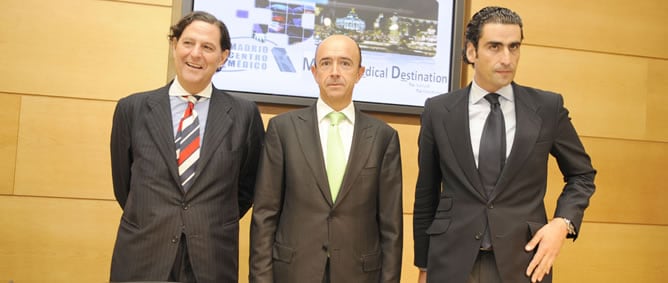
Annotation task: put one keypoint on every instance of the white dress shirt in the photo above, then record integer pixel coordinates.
(479, 109)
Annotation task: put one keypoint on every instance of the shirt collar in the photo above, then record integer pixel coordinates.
(177, 90)
(477, 93)
(322, 110)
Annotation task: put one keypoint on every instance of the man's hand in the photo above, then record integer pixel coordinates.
(549, 240)
(422, 277)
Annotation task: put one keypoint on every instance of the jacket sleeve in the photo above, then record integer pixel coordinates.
(254, 140)
(267, 209)
(390, 214)
(575, 165)
(427, 189)
(121, 151)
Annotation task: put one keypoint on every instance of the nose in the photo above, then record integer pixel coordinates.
(196, 51)
(505, 56)
(335, 70)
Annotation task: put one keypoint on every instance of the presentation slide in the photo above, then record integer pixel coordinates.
(406, 46)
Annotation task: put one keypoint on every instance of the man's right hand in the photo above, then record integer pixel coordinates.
(422, 277)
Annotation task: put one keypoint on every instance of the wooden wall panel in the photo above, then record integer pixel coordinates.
(657, 101)
(630, 186)
(9, 119)
(614, 253)
(63, 148)
(619, 27)
(604, 101)
(83, 48)
(56, 240)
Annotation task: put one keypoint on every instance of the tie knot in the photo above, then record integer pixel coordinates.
(191, 98)
(492, 98)
(335, 117)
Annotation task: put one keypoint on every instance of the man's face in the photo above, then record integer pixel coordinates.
(498, 54)
(337, 70)
(197, 55)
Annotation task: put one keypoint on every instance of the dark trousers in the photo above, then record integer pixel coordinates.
(484, 269)
(182, 271)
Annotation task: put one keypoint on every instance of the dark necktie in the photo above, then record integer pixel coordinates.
(492, 154)
(187, 143)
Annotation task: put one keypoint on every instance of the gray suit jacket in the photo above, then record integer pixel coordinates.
(155, 209)
(451, 207)
(296, 225)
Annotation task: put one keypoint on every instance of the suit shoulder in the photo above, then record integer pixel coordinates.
(383, 128)
(447, 97)
(289, 115)
(235, 101)
(140, 97)
(546, 94)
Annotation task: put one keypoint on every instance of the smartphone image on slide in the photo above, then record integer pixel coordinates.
(282, 59)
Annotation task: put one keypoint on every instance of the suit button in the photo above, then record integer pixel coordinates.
(478, 236)
(490, 206)
(175, 240)
(185, 206)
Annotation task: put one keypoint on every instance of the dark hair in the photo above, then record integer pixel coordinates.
(177, 29)
(486, 15)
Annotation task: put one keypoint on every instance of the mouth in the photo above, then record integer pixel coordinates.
(194, 66)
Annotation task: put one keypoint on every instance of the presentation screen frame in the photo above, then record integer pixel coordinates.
(411, 52)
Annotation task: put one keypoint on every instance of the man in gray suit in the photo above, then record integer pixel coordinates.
(479, 212)
(184, 168)
(310, 223)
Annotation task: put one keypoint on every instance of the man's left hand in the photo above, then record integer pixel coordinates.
(549, 240)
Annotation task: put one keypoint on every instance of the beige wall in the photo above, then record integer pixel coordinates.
(65, 63)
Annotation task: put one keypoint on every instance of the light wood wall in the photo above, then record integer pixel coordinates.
(65, 64)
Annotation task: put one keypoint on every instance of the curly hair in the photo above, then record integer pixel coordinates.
(177, 30)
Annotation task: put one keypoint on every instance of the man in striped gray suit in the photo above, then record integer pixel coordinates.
(184, 159)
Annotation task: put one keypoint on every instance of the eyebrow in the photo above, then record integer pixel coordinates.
(501, 43)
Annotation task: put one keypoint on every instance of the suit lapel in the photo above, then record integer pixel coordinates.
(526, 133)
(159, 124)
(306, 128)
(456, 122)
(219, 121)
(363, 137)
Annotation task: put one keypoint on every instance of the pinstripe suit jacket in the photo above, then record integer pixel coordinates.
(156, 211)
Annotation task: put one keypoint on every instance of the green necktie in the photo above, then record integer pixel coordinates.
(336, 159)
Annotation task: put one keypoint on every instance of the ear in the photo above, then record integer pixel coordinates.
(471, 53)
(313, 70)
(360, 73)
(224, 56)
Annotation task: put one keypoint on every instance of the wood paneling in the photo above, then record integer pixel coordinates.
(657, 101)
(86, 49)
(63, 148)
(630, 186)
(9, 119)
(621, 27)
(56, 240)
(607, 95)
(614, 253)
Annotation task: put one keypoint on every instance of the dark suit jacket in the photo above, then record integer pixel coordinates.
(451, 207)
(295, 222)
(155, 209)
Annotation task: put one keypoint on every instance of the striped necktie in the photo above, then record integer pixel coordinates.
(187, 143)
